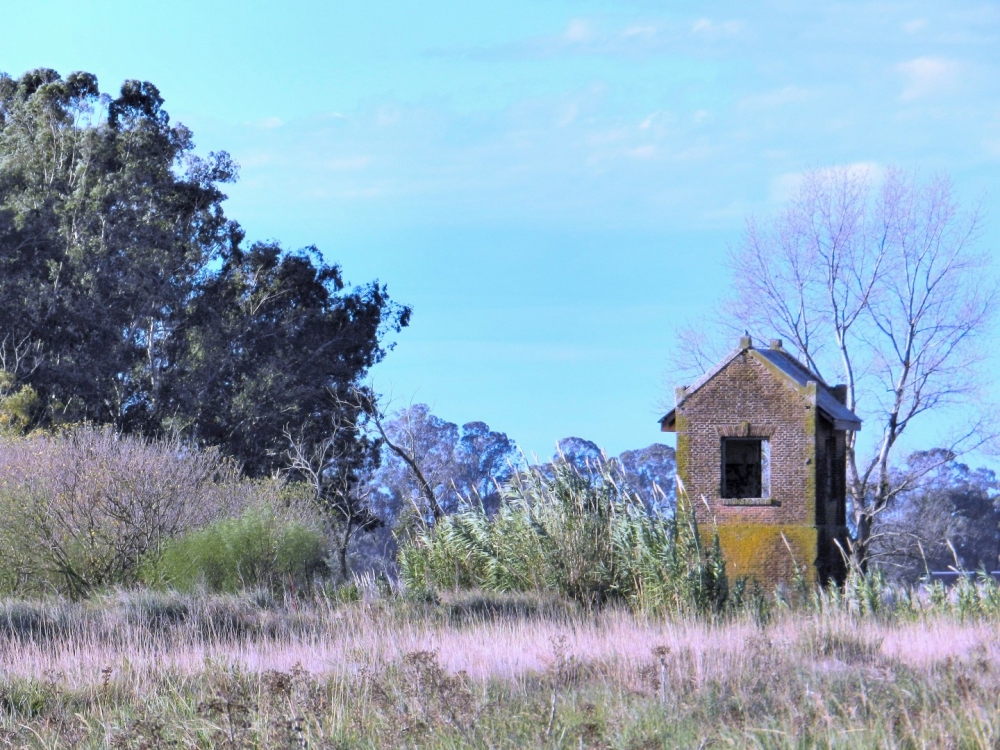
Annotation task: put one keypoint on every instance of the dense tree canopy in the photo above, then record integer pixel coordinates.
(269, 344)
(127, 297)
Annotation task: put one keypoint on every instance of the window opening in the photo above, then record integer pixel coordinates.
(746, 468)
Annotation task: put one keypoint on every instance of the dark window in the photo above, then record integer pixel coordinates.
(745, 468)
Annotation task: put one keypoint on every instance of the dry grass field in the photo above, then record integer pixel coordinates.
(144, 670)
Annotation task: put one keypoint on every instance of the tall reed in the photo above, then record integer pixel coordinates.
(582, 534)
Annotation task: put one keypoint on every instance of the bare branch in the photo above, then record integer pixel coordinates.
(407, 455)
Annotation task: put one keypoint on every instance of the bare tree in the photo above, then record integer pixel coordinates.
(334, 469)
(881, 285)
(84, 508)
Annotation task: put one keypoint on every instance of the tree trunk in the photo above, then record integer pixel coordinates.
(861, 545)
(342, 552)
(425, 487)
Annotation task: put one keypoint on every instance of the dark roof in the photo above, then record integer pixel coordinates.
(826, 402)
(784, 364)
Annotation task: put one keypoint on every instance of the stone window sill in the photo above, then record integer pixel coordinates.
(748, 501)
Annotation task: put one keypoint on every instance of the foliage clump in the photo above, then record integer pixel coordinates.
(579, 533)
(260, 548)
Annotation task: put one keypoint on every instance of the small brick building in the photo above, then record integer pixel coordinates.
(761, 452)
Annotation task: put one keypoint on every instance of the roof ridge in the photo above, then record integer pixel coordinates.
(808, 370)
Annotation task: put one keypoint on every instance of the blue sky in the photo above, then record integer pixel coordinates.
(551, 185)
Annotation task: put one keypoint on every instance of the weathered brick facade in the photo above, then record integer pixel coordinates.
(768, 402)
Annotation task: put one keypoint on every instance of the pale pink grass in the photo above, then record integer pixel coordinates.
(348, 640)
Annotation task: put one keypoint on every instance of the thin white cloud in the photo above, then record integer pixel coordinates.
(698, 152)
(917, 24)
(579, 30)
(785, 186)
(928, 76)
(259, 159)
(584, 36)
(731, 213)
(269, 123)
(640, 30)
(568, 115)
(642, 152)
(387, 115)
(657, 121)
(709, 27)
(363, 192)
(777, 97)
(348, 163)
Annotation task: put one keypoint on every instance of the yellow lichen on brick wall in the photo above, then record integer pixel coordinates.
(760, 551)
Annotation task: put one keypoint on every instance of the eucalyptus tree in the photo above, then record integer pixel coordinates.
(436, 466)
(271, 343)
(127, 296)
(648, 473)
(107, 220)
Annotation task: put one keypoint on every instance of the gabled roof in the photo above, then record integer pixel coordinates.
(783, 365)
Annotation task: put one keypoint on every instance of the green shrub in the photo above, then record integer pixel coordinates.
(578, 534)
(259, 548)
